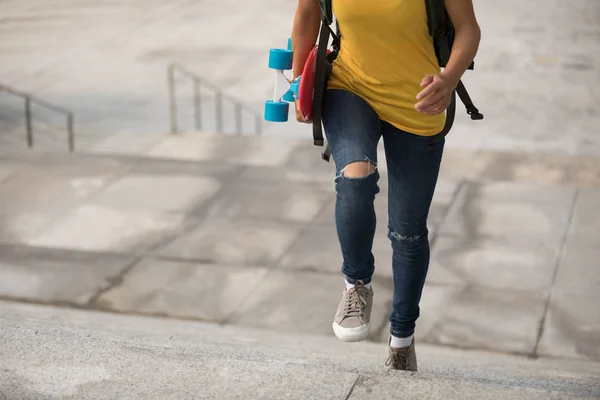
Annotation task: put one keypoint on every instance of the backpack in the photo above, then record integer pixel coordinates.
(442, 32)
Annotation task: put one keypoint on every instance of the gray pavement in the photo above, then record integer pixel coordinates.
(184, 229)
(50, 353)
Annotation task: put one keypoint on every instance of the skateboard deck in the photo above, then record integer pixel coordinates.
(306, 89)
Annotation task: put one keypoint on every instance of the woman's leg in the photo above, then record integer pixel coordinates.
(413, 169)
(353, 131)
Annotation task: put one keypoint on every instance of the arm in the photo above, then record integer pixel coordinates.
(466, 40)
(437, 89)
(304, 36)
(305, 32)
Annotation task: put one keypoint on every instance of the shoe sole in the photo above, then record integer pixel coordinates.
(351, 334)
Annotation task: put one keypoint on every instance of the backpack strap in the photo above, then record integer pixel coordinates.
(436, 18)
(321, 74)
(438, 28)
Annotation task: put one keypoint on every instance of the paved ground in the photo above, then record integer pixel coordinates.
(219, 229)
(537, 74)
(61, 354)
(183, 229)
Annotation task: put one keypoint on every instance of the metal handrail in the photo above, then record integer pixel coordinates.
(220, 97)
(42, 103)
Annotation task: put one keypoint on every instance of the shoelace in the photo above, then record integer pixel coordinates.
(355, 301)
(398, 359)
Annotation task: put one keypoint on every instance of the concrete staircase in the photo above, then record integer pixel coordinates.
(53, 353)
(94, 246)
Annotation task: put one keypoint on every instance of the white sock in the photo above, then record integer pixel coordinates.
(398, 343)
(351, 285)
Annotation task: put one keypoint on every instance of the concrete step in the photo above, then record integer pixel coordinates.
(54, 353)
(298, 154)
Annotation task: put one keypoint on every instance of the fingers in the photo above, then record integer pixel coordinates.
(436, 108)
(435, 98)
(427, 81)
(428, 91)
(302, 118)
(299, 116)
(429, 84)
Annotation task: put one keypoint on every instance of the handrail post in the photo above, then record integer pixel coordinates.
(172, 99)
(197, 109)
(219, 99)
(28, 126)
(219, 111)
(71, 132)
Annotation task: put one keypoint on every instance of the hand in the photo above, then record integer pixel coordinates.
(299, 116)
(436, 94)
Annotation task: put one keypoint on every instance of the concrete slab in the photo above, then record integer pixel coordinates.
(50, 352)
(306, 159)
(48, 276)
(435, 302)
(512, 191)
(241, 242)
(318, 249)
(95, 368)
(224, 173)
(501, 264)
(57, 184)
(386, 387)
(572, 327)
(586, 219)
(94, 228)
(17, 228)
(534, 168)
(288, 175)
(240, 150)
(502, 320)
(127, 143)
(183, 290)
(8, 169)
(445, 191)
(164, 193)
(578, 272)
(475, 214)
(299, 203)
(303, 302)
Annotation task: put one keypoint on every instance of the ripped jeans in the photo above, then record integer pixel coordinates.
(353, 131)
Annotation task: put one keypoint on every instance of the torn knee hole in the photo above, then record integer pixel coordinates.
(358, 169)
(408, 239)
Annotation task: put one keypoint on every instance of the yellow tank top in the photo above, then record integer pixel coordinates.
(386, 51)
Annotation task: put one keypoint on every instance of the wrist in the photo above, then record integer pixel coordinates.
(451, 77)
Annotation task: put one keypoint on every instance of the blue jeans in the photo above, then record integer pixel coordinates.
(353, 131)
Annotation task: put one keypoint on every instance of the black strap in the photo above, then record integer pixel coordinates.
(466, 99)
(444, 49)
(320, 72)
(450, 115)
(326, 155)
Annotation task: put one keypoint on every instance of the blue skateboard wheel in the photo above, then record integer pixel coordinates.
(280, 59)
(276, 111)
(289, 96)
